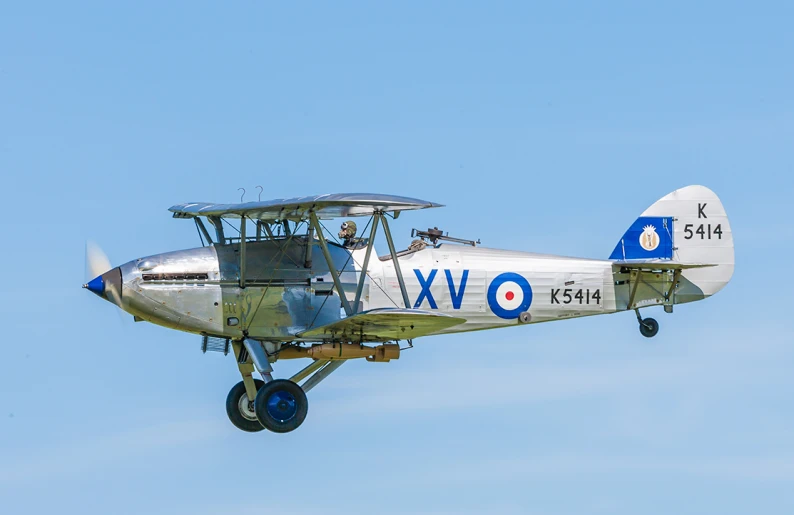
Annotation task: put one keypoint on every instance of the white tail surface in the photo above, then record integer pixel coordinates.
(701, 234)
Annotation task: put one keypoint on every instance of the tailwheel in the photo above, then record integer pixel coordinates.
(241, 410)
(281, 406)
(649, 327)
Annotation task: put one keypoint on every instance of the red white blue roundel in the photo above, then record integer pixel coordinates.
(509, 295)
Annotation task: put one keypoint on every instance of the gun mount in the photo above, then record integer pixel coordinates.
(435, 235)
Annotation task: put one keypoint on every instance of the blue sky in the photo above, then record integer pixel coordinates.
(542, 127)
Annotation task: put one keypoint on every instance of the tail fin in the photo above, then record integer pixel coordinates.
(688, 226)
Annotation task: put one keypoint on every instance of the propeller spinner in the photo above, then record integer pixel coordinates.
(106, 281)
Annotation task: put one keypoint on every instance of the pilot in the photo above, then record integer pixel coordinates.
(347, 234)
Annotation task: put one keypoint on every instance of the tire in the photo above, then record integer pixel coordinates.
(281, 406)
(649, 327)
(245, 420)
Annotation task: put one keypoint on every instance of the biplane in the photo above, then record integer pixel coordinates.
(271, 282)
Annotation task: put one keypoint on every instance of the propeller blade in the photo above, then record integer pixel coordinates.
(96, 261)
(96, 264)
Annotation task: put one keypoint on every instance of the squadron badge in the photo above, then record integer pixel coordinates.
(649, 240)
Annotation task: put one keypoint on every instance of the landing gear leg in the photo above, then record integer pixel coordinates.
(281, 405)
(246, 368)
(240, 408)
(240, 401)
(648, 326)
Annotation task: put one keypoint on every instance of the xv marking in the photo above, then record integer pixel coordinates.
(425, 284)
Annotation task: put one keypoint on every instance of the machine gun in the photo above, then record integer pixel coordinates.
(435, 235)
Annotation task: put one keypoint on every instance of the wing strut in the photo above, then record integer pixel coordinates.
(669, 294)
(203, 229)
(378, 217)
(242, 251)
(331, 266)
(307, 262)
(269, 231)
(365, 266)
(394, 259)
(218, 224)
(637, 281)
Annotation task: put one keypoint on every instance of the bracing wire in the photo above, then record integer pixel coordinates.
(371, 280)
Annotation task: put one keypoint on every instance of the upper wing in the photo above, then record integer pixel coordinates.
(325, 206)
(384, 324)
(658, 264)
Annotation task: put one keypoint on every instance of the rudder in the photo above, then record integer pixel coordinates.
(689, 225)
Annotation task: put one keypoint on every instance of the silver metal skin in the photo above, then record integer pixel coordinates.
(279, 298)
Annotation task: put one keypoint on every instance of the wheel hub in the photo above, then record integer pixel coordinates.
(281, 405)
(246, 408)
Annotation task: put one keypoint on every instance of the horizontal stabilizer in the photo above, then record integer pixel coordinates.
(384, 324)
(658, 264)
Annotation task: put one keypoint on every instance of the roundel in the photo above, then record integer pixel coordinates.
(509, 295)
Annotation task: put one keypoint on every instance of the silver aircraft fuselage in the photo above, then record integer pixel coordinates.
(198, 290)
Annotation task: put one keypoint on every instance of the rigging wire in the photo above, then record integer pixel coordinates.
(282, 251)
(349, 257)
(230, 225)
(199, 233)
(371, 280)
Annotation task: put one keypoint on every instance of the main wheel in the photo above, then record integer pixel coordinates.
(241, 410)
(649, 327)
(281, 406)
